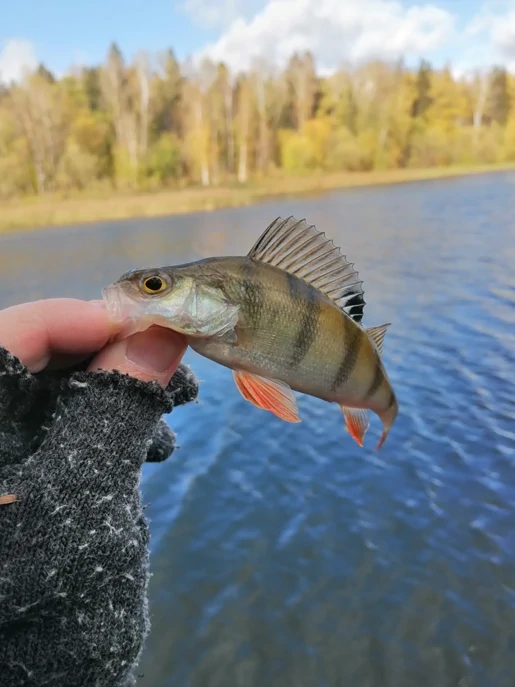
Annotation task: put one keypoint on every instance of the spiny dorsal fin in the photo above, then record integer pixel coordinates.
(302, 250)
(377, 335)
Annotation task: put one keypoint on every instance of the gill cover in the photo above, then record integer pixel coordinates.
(187, 306)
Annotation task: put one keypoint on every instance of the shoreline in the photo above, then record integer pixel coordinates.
(27, 215)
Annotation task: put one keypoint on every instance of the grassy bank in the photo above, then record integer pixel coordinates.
(18, 215)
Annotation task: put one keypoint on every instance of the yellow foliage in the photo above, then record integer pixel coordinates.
(318, 135)
(346, 153)
(15, 176)
(430, 148)
(294, 151)
(197, 149)
(307, 150)
(90, 132)
(77, 168)
(449, 108)
(126, 174)
(508, 148)
(112, 125)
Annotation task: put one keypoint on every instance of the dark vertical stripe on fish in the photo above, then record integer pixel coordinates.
(350, 355)
(305, 299)
(377, 381)
(392, 400)
(254, 292)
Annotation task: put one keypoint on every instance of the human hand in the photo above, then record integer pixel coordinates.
(74, 434)
(62, 331)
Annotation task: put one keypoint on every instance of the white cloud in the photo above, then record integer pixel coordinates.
(16, 56)
(503, 37)
(220, 13)
(334, 30)
(493, 32)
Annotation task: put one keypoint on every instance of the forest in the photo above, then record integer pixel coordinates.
(154, 123)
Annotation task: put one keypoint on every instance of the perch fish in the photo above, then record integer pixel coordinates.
(286, 317)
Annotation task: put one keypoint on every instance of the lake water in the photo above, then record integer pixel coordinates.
(285, 555)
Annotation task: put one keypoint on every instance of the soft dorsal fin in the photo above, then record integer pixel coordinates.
(302, 250)
(377, 335)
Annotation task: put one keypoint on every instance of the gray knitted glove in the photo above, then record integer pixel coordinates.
(74, 546)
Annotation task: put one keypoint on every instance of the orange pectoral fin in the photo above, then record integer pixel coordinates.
(357, 421)
(268, 394)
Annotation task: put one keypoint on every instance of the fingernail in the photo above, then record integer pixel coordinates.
(156, 349)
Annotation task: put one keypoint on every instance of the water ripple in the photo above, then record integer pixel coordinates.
(284, 555)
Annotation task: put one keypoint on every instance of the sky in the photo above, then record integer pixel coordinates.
(468, 34)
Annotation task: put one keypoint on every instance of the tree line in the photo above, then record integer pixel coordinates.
(149, 124)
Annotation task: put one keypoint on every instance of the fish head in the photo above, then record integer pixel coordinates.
(176, 298)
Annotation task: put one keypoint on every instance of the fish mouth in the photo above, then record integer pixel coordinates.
(127, 315)
(119, 307)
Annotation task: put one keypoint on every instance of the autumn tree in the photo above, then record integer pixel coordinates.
(151, 121)
(498, 96)
(39, 109)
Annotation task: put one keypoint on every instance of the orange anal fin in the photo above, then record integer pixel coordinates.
(268, 394)
(357, 421)
(7, 498)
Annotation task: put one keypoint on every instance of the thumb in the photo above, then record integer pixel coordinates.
(151, 355)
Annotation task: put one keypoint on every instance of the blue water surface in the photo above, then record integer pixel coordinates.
(286, 556)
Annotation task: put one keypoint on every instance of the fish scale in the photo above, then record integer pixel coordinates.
(286, 317)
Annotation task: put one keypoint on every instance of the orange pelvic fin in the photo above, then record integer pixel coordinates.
(268, 394)
(357, 421)
(7, 498)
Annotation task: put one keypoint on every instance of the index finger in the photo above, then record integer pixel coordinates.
(34, 332)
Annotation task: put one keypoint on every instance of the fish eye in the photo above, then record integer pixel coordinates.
(153, 285)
